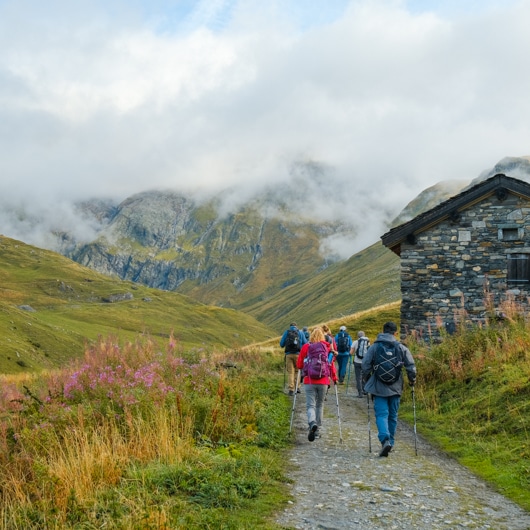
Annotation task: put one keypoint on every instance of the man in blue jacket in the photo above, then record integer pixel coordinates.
(344, 343)
(292, 341)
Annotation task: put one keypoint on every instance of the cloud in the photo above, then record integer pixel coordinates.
(111, 98)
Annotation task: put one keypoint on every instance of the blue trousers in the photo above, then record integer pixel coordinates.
(342, 360)
(386, 415)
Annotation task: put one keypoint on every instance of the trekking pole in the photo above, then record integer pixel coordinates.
(414, 412)
(369, 424)
(338, 412)
(294, 401)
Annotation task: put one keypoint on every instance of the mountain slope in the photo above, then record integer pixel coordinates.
(50, 306)
(369, 278)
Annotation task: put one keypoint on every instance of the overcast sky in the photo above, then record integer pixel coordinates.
(107, 98)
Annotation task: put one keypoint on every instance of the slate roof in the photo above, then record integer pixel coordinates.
(499, 184)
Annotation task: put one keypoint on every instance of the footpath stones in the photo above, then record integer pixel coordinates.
(357, 489)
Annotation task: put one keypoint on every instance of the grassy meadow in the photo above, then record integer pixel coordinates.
(145, 435)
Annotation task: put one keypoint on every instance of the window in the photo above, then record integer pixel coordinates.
(518, 268)
(510, 233)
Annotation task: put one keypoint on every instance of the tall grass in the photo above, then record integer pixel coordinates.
(473, 400)
(137, 436)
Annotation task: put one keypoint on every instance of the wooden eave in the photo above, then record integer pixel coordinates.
(450, 208)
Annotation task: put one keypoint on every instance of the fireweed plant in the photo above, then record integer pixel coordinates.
(137, 436)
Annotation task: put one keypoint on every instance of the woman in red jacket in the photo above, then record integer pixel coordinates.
(316, 386)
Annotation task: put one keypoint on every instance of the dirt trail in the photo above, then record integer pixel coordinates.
(350, 487)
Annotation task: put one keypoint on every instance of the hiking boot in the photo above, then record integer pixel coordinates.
(298, 391)
(360, 396)
(386, 448)
(313, 428)
(291, 393)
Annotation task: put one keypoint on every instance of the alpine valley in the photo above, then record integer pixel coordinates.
(263, 257)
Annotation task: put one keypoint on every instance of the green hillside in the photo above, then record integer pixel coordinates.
(50, 306)
(369, 278)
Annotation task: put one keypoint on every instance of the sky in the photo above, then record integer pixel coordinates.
(363, 103)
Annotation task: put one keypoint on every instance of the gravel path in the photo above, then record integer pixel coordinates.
(353, 488)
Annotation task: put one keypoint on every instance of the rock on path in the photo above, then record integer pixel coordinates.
(342, 485)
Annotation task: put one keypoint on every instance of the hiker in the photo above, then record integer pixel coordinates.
(292, 341)
(358, 350)
(344, 344)
(382, 372)
(306, 333)
(316, 386)
(331, 341)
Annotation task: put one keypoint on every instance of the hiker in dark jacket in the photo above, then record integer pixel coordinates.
(344, 344)
(387, 396)
(292, 341)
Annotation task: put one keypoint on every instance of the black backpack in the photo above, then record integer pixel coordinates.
(292, 341)
(342, 342)
(388, 361)
(362, 346)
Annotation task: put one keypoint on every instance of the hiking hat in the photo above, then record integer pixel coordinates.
(343, 328)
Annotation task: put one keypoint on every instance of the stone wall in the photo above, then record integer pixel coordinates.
(456, 270)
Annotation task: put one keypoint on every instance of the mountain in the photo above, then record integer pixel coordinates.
(50, 306)
(512, 166)
(168, 241)
(277, 255)
(429, 198)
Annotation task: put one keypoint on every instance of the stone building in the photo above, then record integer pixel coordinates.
(465, 260)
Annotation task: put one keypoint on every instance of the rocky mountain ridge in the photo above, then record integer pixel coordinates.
(168, 241)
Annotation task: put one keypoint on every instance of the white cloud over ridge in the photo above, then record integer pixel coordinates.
(112, 98)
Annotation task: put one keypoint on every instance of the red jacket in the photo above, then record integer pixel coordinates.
(324, 380)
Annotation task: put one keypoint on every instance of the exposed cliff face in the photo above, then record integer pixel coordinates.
(165, 240)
